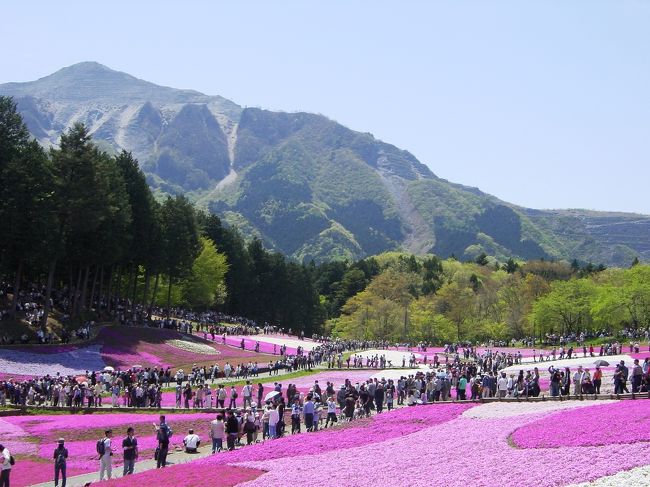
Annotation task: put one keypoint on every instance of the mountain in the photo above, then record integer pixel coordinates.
(306, 185)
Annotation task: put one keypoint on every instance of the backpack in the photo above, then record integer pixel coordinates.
(60, 458)
(101, 447)
(235, 395)
(163, 433)
(12, 460)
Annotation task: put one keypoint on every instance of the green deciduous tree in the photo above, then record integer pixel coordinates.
(205, 286)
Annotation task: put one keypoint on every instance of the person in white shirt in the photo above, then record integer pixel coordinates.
(5, 466)
(274, 417)
(502, 385)
(191, 442)
(105, 458)
(331, 412)
(217, 433)
(247, 392)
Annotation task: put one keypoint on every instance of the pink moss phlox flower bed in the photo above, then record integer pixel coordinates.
(352, 435)
(406, 439)
(480, 452)
(431, 351)
(147, 348)
(337, 377)
(194, 475)
(641, 356)
(28, 471)
(249, 343)
(36, 436)
(379, 428)
(607, 424)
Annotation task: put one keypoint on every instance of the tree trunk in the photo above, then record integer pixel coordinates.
(169, 297)
(84, 289)
(109, 301)
(101, 289)
(118, 284)
(136, 270)
(94, 287)
(153, 296)
(48, 293)
(75, 300)
(147, 279)
(127, 293)
(14, 302)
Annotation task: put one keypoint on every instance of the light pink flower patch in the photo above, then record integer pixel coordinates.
(621, 422)
(479, 457)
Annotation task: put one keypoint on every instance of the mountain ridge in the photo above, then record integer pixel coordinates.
(306, 185)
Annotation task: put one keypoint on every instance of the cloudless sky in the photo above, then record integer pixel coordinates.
(545, 104)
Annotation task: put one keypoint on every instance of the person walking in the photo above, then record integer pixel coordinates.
(232, 429)
(60, 457)
(105, 454)
(233, 398)
(331, 412)
(247, 393)
(163, 434)
(130, 450)
(260, 393)
(274, 418)
(5, 466)
(221, 396)
(597, 379)
(217, 432)
(308, 412)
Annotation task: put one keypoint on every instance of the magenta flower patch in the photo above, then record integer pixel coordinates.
(621, 422)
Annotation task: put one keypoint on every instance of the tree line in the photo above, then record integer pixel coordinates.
(413, 299)
(75, 218)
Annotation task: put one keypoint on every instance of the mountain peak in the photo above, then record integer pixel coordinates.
(90, 81)
(87, 66)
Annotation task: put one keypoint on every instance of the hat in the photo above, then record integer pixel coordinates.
(60, 440)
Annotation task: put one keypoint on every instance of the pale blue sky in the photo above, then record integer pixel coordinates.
(544, 104)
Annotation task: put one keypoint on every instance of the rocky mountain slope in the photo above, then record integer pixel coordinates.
(308, 186)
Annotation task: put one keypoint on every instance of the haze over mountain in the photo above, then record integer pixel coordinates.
(306, 185)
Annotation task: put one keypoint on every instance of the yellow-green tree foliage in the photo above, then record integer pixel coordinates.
(480, 303)
(205, 286)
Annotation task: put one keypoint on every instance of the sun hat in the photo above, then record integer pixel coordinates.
(60, 440)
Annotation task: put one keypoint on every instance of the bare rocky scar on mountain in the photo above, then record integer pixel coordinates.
(308, 186)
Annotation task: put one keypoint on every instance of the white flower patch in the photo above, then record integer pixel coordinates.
(507, 408)
(588, 362)
(638, 477)
(306, 344)
(74, 362)
(193, 347)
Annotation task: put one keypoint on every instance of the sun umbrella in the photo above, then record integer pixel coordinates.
(601, 363)
(271, 395)
(136, 366)
(108, 368)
